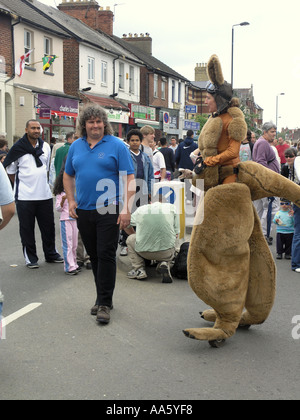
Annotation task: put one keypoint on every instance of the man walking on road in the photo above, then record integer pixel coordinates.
(94, 164)
(27, 165)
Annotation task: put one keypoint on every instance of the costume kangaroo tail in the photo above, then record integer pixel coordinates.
(263, 182)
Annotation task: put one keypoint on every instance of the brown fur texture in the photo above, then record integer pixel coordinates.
(209, 138)
(230, 266)
(214, 71)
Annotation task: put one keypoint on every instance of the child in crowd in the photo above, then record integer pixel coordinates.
(284, 220)
(68, 227)
(144, 177)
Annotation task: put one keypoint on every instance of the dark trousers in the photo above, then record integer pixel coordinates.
(284, 243)
(100, 234)
(42, 211)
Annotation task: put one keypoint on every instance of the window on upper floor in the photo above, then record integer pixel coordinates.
(91, 69)
(155, 92)
(179, 92)
(131, 79)
(121, 76)
(28, 45)
(47, 46)
(173, 91)
(104, 72)
(163, 90)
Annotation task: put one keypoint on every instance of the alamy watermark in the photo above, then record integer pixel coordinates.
(186, 199)
(296, 329)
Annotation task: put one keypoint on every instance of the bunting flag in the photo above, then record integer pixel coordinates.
(20, 64)
(47, 61)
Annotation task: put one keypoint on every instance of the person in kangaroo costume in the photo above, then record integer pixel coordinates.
(230, 265)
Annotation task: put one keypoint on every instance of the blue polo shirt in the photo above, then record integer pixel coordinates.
(98, 172)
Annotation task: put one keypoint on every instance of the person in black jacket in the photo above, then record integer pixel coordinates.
(183, 151)
(169, 157)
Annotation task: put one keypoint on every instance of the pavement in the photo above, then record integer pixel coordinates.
(55, 350)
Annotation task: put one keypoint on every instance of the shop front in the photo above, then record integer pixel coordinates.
(56, 114)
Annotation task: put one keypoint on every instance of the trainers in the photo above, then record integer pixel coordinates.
(103, 314)
(72, 273)
(279, 256)
(32, 265)
(124, 251)
(56, 260)
(139, 274)
(164, 269)
(297, 270)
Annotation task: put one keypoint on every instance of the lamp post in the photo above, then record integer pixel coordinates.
(282, 93)
(232, 43)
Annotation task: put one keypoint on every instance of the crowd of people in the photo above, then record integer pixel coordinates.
(99, 209)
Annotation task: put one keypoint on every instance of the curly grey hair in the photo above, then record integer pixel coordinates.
(93, 111)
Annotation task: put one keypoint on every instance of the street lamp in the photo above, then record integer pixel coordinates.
(282, 93)
(232, 42)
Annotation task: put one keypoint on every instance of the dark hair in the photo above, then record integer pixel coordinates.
(249, 135)
(190, 133)
(290, 151)
(134, 132)
(69, 135)
(163, 141)
(58, 184)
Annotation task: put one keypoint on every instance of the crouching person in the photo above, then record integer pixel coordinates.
(156, 228)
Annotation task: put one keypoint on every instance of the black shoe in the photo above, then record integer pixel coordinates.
(279, 256)
(80, 263)
(287, 257)
(88, 266)
(58, 259)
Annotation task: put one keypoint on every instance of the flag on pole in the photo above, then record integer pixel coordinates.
(47, 61)
(20, 64)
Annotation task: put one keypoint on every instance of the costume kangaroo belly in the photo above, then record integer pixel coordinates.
(230, 266)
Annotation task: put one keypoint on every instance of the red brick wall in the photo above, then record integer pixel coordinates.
(6, 49)
(71, 67)
(90, 15)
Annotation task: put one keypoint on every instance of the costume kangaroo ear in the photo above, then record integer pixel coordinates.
(214, 71)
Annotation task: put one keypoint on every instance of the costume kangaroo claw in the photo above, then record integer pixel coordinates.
(230, 266)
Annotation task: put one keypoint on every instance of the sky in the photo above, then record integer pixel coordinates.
(266, 52)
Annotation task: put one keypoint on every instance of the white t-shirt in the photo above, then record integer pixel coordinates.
(6, 194)
(158, 163)
(31, 182)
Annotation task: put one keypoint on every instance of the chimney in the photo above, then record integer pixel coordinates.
(90, 13)
(201, 72)
(142, 41)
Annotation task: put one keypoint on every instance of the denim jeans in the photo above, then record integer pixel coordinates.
(296, 239)
(100, 234)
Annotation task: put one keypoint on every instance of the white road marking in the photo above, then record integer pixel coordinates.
(10, 318)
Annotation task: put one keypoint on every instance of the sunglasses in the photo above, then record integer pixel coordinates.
(285, 203)
(290, 156)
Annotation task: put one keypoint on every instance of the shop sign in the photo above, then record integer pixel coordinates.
(142, 112)
(57, 105)
(117, 117)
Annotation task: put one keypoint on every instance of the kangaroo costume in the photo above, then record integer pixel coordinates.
(230, 265)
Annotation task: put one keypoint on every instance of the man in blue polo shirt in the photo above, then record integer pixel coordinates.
(97, 165)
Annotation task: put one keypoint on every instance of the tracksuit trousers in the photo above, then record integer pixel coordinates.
(42, 211)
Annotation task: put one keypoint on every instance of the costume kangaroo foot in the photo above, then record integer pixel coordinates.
(229, 263)
(219, 258)
(261, 287)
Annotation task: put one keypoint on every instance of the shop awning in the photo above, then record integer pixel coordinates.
(106, 102)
